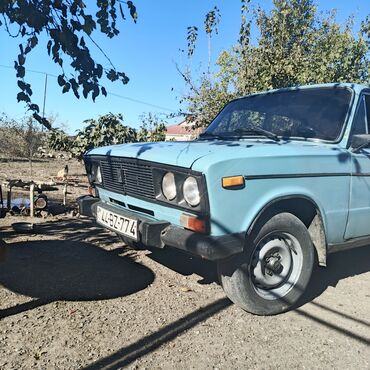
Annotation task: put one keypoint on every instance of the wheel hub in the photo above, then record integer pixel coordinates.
(272, 263)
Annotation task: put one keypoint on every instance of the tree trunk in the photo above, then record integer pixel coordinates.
(30, 160)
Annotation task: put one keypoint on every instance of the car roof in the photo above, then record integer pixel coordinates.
(353, 86)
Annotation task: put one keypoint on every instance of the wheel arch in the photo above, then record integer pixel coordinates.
(304, 208)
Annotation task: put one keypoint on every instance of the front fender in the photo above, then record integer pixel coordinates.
(241, 207)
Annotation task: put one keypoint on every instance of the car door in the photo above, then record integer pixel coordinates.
(359, 206)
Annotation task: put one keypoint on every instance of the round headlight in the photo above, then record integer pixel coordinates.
(191, 191)
(169, 186)
(98, 176)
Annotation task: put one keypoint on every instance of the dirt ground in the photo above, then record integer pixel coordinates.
(44, 170)
(72, 296)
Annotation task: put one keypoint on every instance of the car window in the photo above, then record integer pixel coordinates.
(359, 122)
(282, 125)
(302, 113)
(367, 108)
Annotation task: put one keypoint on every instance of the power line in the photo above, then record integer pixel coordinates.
(108, 92)
(141, 102)
(30, 70)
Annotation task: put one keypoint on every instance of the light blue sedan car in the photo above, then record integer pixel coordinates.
(277, 181)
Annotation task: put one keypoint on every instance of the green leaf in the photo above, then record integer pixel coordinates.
(95, 93)
(112, 75)
(49, 46)
(21, 71)
(21, 96)
(61, 80)
(33, 41)
(34, 107)
(25, 87)
(21, 59)
(89, 25)
(133, 11)
(99, 70)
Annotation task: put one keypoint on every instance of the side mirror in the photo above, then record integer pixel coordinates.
(360, 141)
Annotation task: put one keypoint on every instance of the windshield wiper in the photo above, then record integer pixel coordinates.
(257, 130)
(210, 135)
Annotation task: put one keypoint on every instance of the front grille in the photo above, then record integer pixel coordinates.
(125, 176)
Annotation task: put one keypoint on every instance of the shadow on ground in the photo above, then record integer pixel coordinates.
(150, 343)
(69, 270)
(73, 269)
(185, 264)
(341, 265)
(77, 229)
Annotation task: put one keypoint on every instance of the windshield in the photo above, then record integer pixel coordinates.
(317, 113)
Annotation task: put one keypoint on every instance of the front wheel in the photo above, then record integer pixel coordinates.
(274, 270)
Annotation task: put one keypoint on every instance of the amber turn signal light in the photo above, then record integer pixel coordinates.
(193, 223)
(233, 182)
(92, 191)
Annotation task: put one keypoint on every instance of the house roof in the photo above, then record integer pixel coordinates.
(179, 129)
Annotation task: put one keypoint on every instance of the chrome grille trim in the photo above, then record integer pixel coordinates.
(129, 177)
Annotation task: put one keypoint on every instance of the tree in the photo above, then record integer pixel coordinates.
(20, 138)
(69, 26)
(106, 130)
(211, 22)
(295, 46)
(298, 46)
(205, 99)
(59, 140)
(152, 128)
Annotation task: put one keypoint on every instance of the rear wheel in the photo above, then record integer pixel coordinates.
(275, 269)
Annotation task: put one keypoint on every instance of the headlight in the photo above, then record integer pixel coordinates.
(96, 174)
(169, 186)
(191, 191)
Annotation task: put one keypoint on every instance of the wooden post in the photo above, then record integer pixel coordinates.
(32, 208)
(65, 194)
(8, 197)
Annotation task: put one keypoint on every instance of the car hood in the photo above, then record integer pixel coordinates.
(176, 153)
(199, 155)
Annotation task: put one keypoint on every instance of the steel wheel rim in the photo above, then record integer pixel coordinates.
(276, 265)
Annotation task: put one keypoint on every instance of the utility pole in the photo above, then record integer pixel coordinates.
(43, 107)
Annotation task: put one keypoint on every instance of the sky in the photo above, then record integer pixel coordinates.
(147, 52)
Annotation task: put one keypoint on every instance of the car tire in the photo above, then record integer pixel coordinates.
(275, 268)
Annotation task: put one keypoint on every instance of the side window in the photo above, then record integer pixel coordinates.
(359, 123)
(367, 107)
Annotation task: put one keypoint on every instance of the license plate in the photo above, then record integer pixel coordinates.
(123, 225)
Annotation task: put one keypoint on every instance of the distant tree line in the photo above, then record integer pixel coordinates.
(24, 138)
(107, 130)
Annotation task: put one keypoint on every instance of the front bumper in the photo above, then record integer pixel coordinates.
(154, 233)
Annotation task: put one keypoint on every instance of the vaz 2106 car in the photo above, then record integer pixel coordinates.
(276, 182)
